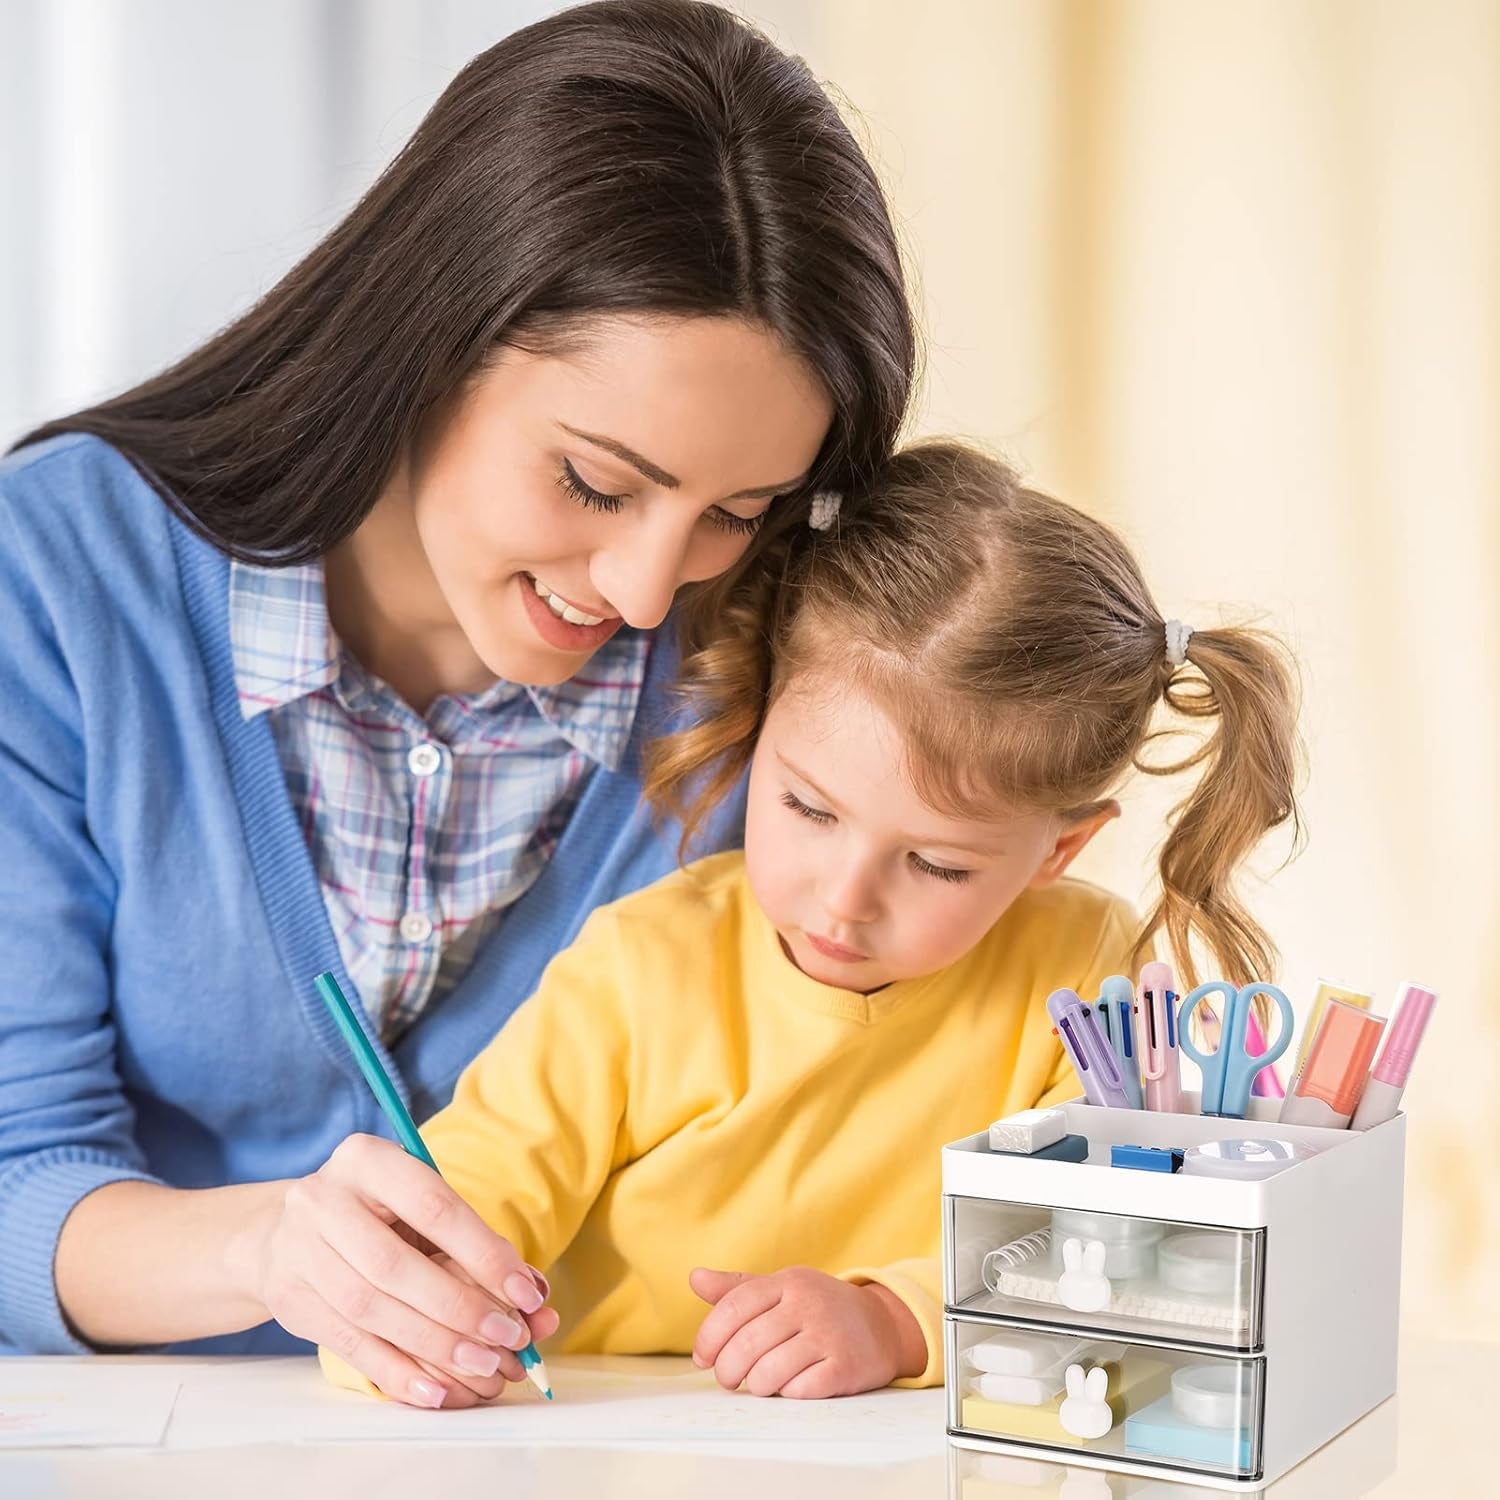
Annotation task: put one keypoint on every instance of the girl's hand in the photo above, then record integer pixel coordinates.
(346, 1264)
(804, 1333)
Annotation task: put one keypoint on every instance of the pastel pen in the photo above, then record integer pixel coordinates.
(1115, 1012)
(1388, 1077)
(1327, 1087)
(1090, 1054)
(401, 1122)
(1157, 1035)
(1266, 1085)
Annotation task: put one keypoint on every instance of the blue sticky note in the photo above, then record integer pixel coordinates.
(1158, 1431)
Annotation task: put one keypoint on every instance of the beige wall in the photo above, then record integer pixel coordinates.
(1229, 275)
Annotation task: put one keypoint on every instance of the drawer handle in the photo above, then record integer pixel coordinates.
(1084, 1412)
(1083, 1285)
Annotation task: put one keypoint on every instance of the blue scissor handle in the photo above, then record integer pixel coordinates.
(1229, 1071)
(1190, 1003)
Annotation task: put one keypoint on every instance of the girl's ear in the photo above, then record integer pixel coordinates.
(1071, 842)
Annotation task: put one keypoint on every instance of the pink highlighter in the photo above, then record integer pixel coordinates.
(1156, 1005)
(1382, 1094)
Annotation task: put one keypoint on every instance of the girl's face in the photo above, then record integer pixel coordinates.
(864, 882)
(565, 495)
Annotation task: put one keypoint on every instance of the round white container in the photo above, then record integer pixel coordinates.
(1211, 1395)
(1208, 1265)
(1129, 1244)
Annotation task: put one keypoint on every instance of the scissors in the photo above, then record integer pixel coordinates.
(1230, 1069)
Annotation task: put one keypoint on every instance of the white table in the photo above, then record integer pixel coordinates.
(255, 1428)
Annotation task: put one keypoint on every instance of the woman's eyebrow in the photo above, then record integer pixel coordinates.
(658, 475)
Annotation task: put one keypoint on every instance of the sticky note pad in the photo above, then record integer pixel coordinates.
(1158, 1431)
(1069, 1148)
(1134, 1382)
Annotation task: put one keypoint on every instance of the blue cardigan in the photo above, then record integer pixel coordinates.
(160, 919)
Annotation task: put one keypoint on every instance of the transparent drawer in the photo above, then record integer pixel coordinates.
(1145, 1277)
(1178, 1408)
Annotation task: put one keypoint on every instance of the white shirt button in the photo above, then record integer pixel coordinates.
(424, 759)
(415, 927)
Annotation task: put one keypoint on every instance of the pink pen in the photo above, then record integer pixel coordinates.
(1267, 1085)
(1156, 1005)
(1388, 1077)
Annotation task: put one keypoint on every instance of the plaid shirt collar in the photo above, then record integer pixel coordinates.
(284, 648)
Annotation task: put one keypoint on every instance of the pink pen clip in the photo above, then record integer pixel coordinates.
(1156, 1005)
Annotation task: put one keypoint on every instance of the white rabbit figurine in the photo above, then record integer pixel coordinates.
(1084, 1412)
(1083, 1285)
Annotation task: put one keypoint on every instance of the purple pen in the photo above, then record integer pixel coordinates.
(1092, 1057)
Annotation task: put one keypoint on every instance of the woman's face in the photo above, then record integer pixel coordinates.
(567, 494)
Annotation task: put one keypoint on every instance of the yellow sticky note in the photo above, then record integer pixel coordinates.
(1134, 1382)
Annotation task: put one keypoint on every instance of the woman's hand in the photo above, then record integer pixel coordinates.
(804, 1333)
(338, 1266)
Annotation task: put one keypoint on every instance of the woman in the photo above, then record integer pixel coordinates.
(336, 645)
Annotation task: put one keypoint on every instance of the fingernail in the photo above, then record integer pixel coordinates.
(473, 1360)
(542, 1284)
(522, 1292)
(426, 1393)
(498, 1329)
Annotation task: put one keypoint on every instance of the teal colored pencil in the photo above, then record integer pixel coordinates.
(406, 1131)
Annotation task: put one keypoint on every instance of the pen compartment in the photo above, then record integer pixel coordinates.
(1281, 1291)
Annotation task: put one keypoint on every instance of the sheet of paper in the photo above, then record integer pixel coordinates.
(663, 1404)
(77, 1405)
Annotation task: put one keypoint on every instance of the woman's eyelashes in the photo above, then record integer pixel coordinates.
(817, 815)
(585, 494)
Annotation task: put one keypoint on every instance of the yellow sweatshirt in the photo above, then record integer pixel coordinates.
(677, 1093)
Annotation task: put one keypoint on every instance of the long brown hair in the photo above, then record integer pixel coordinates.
(624, 157)
(1014, 641)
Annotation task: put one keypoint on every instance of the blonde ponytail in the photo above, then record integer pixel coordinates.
(1247, 680)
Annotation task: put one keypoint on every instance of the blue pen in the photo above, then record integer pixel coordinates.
(1115, 1012)
(403, 1124)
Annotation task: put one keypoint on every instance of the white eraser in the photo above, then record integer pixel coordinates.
(1015, 1354)
(1028, 1131)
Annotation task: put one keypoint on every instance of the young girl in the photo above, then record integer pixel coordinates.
(753, 1064)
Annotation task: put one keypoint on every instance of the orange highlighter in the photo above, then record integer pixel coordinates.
(1327, 1087)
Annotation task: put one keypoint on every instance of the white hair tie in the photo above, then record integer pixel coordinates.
(1178, 636)
(825, 509)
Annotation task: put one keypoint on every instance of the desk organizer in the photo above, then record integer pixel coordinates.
(1187, 1327)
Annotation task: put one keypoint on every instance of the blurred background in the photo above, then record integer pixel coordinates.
(1227, 274)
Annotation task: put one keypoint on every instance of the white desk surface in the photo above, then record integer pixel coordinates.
(1436, 1438)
